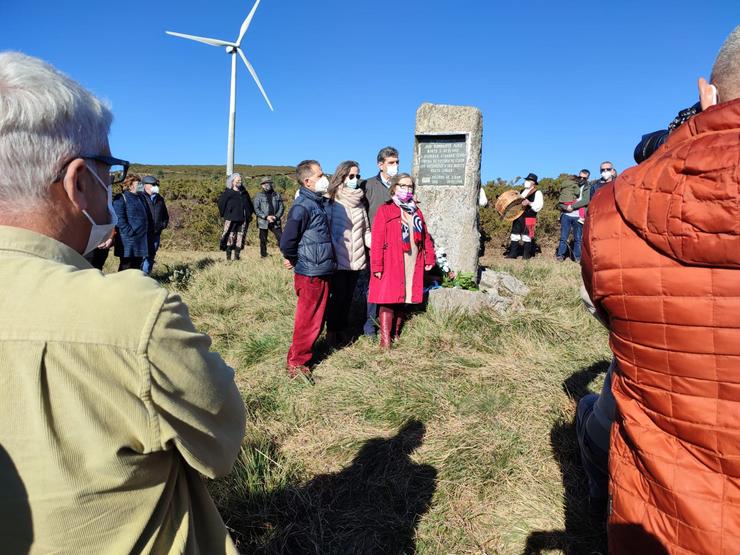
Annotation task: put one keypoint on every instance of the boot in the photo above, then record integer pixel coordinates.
(513, 250)
(236, 253)
(385, 322)
(228, 252)
(398, 320)
(528, 250)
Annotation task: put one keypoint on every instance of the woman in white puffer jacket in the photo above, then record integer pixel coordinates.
(350, 233)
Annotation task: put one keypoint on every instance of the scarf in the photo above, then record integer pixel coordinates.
(410, 208)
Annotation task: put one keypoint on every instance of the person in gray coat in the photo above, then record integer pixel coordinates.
(376, 194)
(269, 207)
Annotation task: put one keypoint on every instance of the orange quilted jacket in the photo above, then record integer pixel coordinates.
(661, 261)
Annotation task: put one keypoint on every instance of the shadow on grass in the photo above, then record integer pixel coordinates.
(582, 535)
(372, 506)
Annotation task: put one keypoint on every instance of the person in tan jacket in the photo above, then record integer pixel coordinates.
(112, 404)
(350, 234)
(661, 263)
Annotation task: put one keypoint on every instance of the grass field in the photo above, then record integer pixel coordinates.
(460, 440)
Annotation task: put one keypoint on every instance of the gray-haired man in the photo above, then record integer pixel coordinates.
(113, 403)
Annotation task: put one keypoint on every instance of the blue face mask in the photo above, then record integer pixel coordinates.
(351, 183)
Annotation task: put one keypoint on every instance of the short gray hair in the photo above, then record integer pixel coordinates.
(46, 120)
(385, 153)
(726, 70)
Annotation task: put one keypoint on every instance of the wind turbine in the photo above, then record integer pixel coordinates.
(232, 48)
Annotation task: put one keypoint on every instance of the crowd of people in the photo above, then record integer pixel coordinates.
(110, 423)
(335, 230)
(575, 194)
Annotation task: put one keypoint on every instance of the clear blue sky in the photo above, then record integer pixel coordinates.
(562, 84)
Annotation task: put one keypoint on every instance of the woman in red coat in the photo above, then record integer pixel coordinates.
(401, 250)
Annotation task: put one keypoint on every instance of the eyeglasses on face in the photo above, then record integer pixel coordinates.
(353, 175)
(118, 168)
(606, 169)
(117, 172)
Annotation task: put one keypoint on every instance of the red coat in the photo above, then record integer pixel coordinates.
(661, 261)
(386, 256)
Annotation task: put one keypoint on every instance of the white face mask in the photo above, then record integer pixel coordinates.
(606, 175)
(392, 171)
(322, 185)
(351, 183)
(100, 232)
(155, 190)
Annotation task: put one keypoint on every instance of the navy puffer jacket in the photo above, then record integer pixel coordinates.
(310, 220)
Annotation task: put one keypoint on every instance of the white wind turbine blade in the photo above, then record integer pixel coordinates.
(206, 40)
(246, 23)
(254, 76)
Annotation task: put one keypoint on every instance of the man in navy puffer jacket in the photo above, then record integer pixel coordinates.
(307, 248)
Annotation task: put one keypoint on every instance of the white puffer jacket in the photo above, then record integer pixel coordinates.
(350, 229)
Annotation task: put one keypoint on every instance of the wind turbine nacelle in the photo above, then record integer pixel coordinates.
(230, 49)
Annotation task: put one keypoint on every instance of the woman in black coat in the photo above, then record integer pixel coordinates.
(235, 207)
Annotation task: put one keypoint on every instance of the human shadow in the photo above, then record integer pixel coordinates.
(582, 535)
(16, 526)
(372, 506)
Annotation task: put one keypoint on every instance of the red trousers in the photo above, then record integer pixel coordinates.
(312, 292)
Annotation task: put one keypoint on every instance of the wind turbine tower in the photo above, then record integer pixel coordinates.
(232, 48)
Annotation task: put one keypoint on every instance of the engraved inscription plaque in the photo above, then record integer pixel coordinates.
(442, 160)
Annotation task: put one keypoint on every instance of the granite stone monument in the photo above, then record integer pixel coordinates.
(447, 156)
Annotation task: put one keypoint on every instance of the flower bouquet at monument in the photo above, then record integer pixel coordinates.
(444, 276)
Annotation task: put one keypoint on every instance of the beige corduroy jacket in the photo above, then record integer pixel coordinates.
(111, 407)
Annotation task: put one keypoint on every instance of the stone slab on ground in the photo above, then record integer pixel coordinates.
(448, 299)
(492, 282)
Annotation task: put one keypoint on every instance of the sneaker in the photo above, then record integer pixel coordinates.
(559, 258)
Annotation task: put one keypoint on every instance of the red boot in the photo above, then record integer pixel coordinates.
(385, 321)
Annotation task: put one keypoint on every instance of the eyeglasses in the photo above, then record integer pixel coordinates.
(117, 172)
(118, 168)
(353, 175)
(606, 169)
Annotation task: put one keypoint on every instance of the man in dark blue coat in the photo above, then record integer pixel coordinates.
(135, 230)
(307, 248)
(160, 217)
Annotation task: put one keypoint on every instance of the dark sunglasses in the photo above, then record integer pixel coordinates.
(606, 169)
(353, 175)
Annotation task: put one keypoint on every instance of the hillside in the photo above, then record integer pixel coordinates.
(460, 440)
(191, 193)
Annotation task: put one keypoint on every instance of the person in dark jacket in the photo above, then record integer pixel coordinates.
(376, 194)
(308, 250)
(134, 238)
(269, 207)
(235, 207)
(160, 216)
